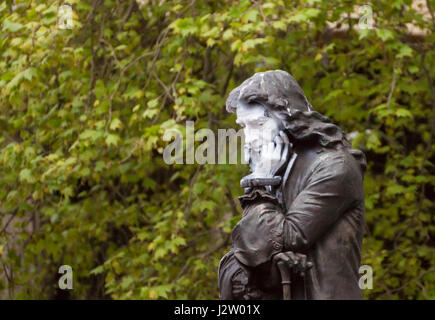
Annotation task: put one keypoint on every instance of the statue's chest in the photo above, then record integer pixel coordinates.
(298, 175)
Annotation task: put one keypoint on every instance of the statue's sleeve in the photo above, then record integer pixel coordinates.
(259, 234)
(330, 190)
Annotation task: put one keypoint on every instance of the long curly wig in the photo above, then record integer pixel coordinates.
(279, 92)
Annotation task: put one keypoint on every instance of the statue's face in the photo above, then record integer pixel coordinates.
(258, 128)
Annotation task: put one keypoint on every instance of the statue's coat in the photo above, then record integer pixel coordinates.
(323, 218)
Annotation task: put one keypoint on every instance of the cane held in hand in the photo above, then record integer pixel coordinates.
(285, 272)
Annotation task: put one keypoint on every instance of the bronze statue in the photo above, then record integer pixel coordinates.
(303, 220)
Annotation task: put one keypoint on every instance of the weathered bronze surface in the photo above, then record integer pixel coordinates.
(303, 221)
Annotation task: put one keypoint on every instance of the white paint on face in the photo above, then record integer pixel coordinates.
(257, 128)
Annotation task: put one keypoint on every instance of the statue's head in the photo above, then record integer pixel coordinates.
(263, 104)
(274, 89)
(272, 101)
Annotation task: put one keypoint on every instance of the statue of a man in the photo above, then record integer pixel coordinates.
(303, 202)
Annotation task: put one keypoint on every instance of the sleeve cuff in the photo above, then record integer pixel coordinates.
(255, 195)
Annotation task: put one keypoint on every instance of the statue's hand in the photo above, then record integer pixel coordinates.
(296, 261)
(273, 156)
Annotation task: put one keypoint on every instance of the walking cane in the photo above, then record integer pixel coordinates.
(285, 272)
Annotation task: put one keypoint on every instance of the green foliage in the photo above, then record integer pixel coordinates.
(83, 111)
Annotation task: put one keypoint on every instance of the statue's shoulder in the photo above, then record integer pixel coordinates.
(338, 160)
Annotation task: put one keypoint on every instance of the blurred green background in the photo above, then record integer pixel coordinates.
(83, 112)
